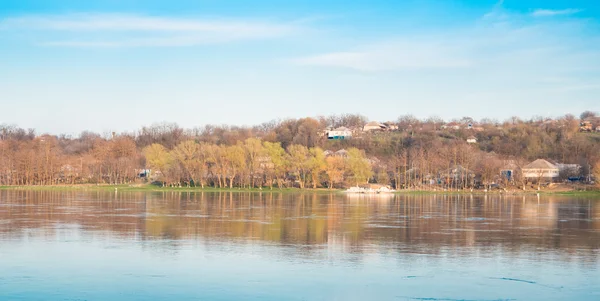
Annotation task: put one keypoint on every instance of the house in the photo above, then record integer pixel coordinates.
(471, 139)
(457, 172)
(540, 169)
(451, 126)
(339, 133)
(143, 173)
(342, 153)
(586, 126)
(374, 126)
(569, 170)
(509, 170)
(391, 126)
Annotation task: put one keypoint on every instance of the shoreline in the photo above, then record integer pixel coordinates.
(152, 188)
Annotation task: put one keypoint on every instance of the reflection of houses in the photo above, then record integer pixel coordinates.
(540, 169)
(471, 139)
(339, 133)
(374, 126)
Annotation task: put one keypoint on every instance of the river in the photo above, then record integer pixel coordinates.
(76, 245)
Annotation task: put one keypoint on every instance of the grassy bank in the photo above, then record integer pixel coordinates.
(154, 188)
(516, 192)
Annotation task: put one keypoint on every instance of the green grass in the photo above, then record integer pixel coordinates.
(591, 192)
(154, 188)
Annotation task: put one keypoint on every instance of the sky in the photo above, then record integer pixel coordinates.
(116, 65)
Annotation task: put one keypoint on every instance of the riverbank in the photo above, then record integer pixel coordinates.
(154, 188)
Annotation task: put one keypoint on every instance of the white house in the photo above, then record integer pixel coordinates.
(471, 139)
(339, 133)
(540, 169)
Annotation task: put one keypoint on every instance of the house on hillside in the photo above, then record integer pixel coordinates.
(340, 133)
(390, 126)
(509, 170)
(374, 126)
(471, 139)
(568, 170)
(540, 169)
(342, 153)
(451, 126)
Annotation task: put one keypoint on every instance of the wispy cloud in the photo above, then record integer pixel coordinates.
(114, 30)
(401, 54)
(512, 46)
(554, 12)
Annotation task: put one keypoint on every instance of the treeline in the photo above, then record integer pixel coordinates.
(292, 153)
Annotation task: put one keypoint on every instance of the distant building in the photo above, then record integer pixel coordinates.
(342, 153)
(339, 133)
(540, 169)
(451, 126)
(509, 170)
(569, 170)
(391, 126)
(374, 126)
(471, 139)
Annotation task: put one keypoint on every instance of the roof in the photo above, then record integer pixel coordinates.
(342, 152)
(540, 164)
(375, 123)
(472, 137)
(342, 128)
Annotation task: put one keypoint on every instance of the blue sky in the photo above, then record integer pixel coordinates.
(68, 66)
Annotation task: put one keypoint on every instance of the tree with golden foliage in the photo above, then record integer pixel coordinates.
(187, 154)
(299, 156)
(235, 156)
(316, 164)
(358, 166)
(254, 152)
(597, 173)
(335, 170)
(159, 159)
(276, 164)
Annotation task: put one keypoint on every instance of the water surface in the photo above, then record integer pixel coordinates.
(272, 246)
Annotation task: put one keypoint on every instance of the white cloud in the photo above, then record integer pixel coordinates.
(491, 45)
(404, 54)
(552, 12)
(114, 30)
